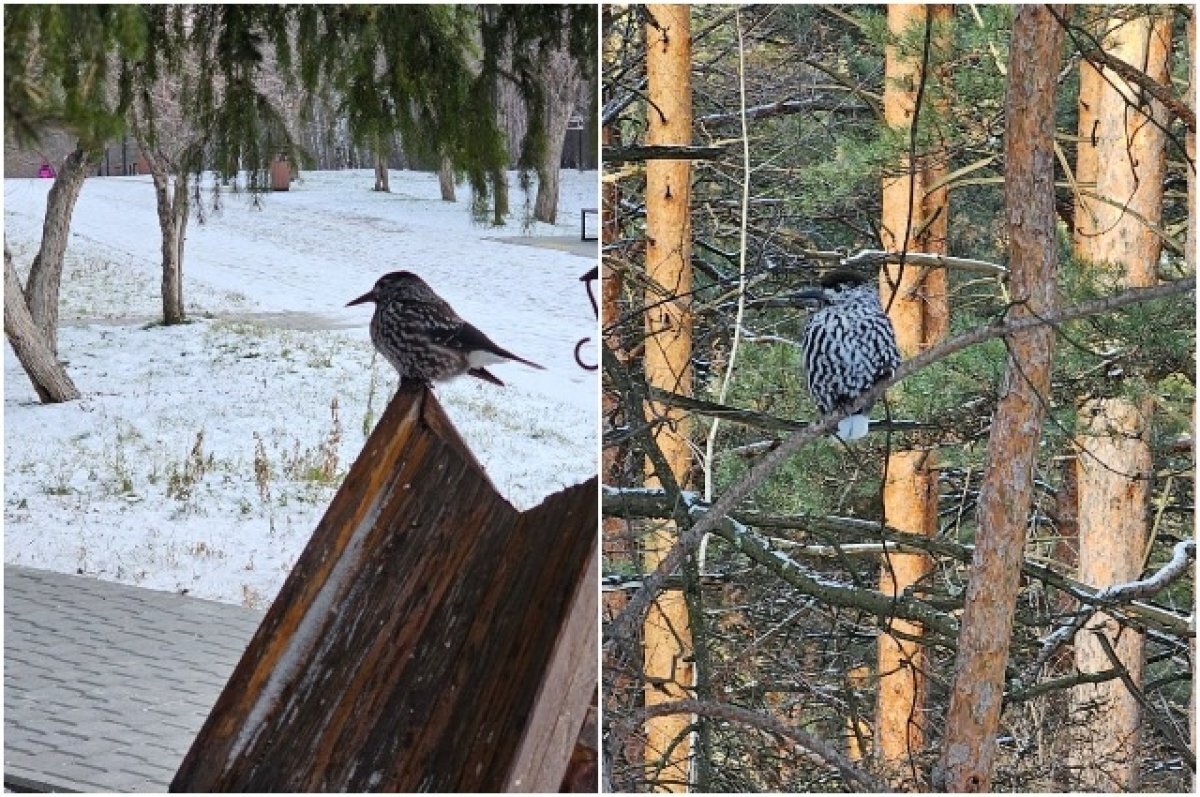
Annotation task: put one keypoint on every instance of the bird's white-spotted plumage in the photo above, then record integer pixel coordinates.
(849, 346)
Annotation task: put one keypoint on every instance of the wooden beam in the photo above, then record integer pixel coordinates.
(409, 648)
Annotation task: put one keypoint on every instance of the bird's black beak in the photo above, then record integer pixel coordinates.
(369, 296)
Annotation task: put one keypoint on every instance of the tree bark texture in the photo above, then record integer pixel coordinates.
(173, 203)
(1088, 105)
(45, 275)
(1113, 464)
(1190, 144)
(913, 217)
(1128, 121)
(668, 324)
(977, 689)
(47, 374)
(1113, 468)
(560, 84)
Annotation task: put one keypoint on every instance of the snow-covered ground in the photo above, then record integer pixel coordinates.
(202, 456)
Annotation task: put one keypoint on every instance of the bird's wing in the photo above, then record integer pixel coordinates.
(468, 338)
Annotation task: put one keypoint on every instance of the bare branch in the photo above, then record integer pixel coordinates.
(624, 625)
(818, 747)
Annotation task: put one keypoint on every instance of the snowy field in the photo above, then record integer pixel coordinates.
(202, 456)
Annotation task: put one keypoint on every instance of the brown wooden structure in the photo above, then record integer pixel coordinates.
(430, 637)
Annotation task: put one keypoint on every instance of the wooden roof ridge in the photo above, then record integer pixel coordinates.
(430, 637)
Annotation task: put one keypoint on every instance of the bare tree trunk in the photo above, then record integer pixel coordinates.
(915, 217)
(45, 275)
(1190, 144)
(381, 170)
(560, 82)
(446, 179)
(1090, 84)
(49, 378)
(173, 204)
(1114, 440)
(1130, 142)
(858, 730)
(1114, 470)
(1190, 251)
(667, 634)
(499, 196)
(1006, 493)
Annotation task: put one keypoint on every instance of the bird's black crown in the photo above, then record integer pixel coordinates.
(842, 278)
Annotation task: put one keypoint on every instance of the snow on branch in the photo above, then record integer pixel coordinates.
(763, 552)
(1117, 594)
(876, 257)
(859, 537)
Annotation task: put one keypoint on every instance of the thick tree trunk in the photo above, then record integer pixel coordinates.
(913, 216)
(1115, 466)
(545, 205)
(667, 633)
(45, 275)
(1114, 490)
(49, 378)
(1005, 496)
(446, 179)
(1130, 142)
(560, 83)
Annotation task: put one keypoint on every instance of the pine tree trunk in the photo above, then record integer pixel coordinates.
(1006, 493)
(1190, 144)
(1114, 439)
(1190, 250)
(47, 374)
(917, 305)
(1132, 149)
(446, 179)
(1088, 104)
(667, 632)
(45, 275)
(1114, 492)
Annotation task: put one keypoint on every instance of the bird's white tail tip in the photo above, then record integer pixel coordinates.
(853, 428)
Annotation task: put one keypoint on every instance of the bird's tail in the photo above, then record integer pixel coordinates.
(853, 427)
(527, 362)
(486, 375)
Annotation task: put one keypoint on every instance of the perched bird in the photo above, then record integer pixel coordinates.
(849, 346)
(422, 336)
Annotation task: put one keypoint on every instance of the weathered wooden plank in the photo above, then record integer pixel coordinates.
(409, 646)
(565, 695)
